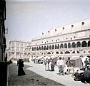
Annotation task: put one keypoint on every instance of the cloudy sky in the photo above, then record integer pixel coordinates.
(26, 19)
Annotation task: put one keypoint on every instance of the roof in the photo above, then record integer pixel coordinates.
(70, 28)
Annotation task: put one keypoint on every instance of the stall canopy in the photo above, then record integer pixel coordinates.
(75, 57)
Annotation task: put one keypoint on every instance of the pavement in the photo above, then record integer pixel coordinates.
(67, 80)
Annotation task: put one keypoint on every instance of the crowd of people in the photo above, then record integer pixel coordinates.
(63, 68)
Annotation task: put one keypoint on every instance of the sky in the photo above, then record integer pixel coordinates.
(27, 19)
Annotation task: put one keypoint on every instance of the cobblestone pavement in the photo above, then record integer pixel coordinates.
(30, 79)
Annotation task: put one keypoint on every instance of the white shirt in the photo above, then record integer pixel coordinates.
(60, 62)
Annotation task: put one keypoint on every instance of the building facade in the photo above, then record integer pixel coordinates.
(19, 50)
(67, 41)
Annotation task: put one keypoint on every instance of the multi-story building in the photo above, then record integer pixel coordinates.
(19, 50)
(3, 61)
(67, 41)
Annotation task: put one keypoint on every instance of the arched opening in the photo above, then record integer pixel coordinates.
(32, 49)
(61, 52)
(42, 47)
(67, 52)
(48, 53)
(73, 45)
(78, 44)
(84, 44)
(37, 48)
(61, 46)
(89, 43)
(58, 46)
(69, 45)
(49, 47)
(52, 46)
(57, 52)
(65, 45)
(55, 46)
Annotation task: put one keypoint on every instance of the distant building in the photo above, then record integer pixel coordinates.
(7, 54)
(69, 40)
(19, 50)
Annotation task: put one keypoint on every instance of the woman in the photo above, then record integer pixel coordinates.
(20, 67)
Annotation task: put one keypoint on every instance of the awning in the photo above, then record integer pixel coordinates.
(75, 57)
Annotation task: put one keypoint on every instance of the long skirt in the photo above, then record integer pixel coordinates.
(21, 71)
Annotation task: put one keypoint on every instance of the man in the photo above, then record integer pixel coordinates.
(86, 62)
(87, 74)
(60, 64)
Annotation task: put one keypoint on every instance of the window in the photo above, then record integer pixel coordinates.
(78, 44)
(69, 45)
(61, 46)
(55, 30)
(84, 44)
(67, 52)
(42, 33)
(83, 23)
(63, 28)
(65, 45)
(72, 26)
(89, 43)
(52, 46)
(49, 46)
(73, 45)
(57, 52)
(48, 31)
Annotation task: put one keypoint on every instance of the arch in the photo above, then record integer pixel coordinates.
(52, 46)
(69, 45)
(49, 47)
(65, 45)
(37, 48)
(48, 53)
(78, 44)
(67, 52)
(73, 45)
(32, 49)
(89, 43)
(57, 52)
(84, 44)
(42, 48)
(56, 46)
(61, 52)
(61, 46)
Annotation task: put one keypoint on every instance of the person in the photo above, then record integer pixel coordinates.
(76, 74)
(83, 76)
(20, 64)
(68, 63)
(60, 64)
(52, 65)
(87, 74)
(45, 63)
(86, 62)
(50, 62)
